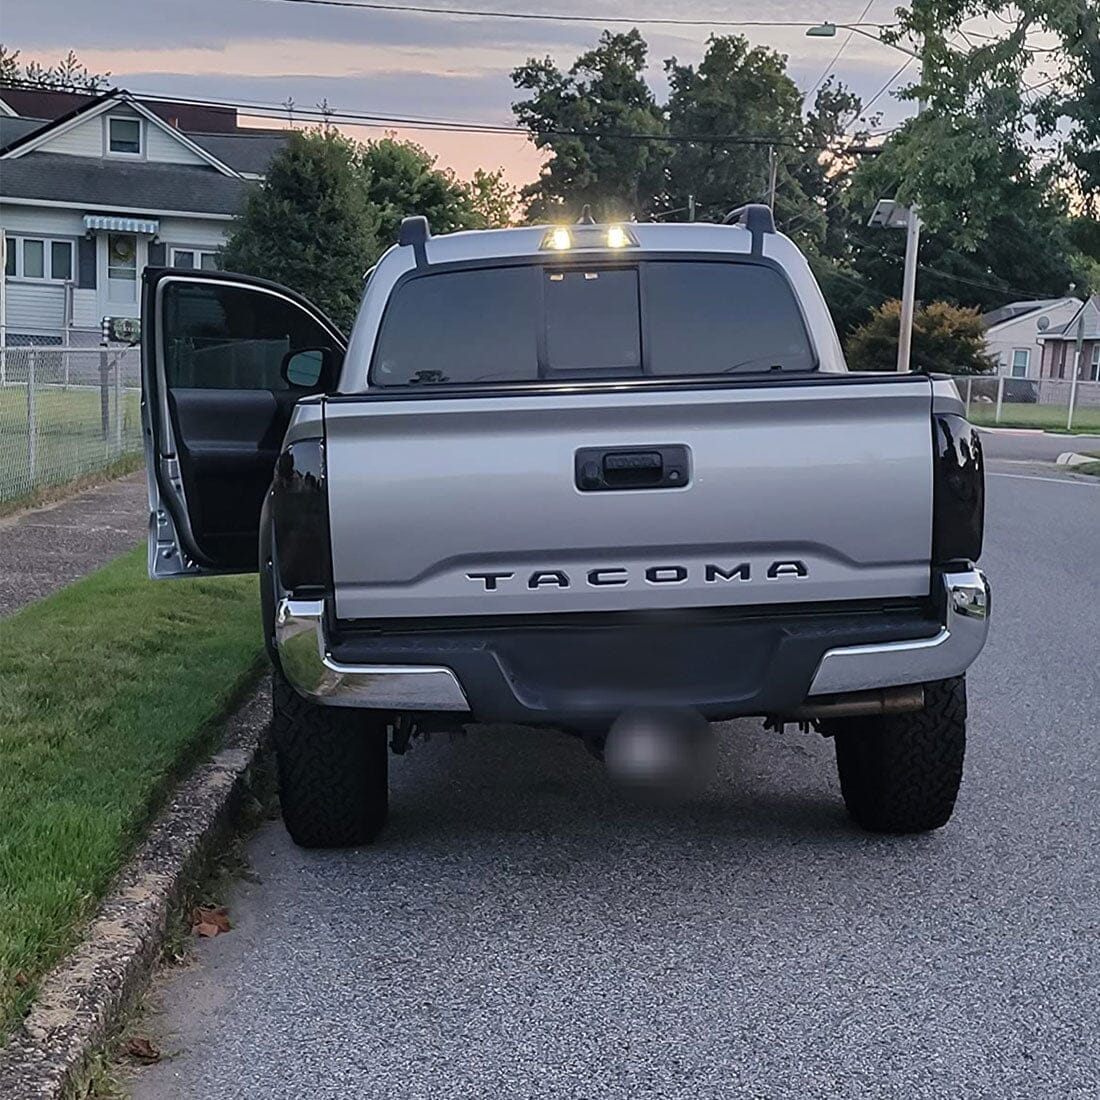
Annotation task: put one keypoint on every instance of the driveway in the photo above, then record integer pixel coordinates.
(520, 931)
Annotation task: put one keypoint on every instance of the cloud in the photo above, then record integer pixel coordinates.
(396, 64)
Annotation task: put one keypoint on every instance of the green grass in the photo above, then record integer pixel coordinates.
(1050, 417)
(70, 441)
(109, 690)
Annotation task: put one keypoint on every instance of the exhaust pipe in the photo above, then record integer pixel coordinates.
(858, 704)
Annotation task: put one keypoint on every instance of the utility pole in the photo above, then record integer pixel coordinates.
(908, 289)
(773, 170)
(691, 208)
(1076, 368)
(909, 275)
(912, 223)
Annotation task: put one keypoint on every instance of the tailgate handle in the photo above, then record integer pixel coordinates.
(601, 469)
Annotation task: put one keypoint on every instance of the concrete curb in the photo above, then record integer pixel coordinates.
(1072, 458)
(83, 997)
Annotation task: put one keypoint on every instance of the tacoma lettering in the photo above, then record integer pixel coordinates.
(609, 576)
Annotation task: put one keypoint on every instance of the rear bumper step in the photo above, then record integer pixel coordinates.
(569, 674)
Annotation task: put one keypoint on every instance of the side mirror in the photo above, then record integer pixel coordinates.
(307, 368)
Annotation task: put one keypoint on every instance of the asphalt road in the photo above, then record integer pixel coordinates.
(521, 931)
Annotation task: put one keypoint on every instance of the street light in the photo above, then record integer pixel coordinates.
(890, 214)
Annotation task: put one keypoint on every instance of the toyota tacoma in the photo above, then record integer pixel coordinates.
(559, 473)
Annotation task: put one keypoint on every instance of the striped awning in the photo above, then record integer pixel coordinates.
(147, 226)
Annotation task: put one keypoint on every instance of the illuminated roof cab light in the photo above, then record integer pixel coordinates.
(559, 238)
(617, 237)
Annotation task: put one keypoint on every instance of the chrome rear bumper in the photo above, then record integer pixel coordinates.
(965, 616)
(307, 661)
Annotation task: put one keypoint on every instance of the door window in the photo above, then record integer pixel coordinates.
(220, 336)
(121, 267)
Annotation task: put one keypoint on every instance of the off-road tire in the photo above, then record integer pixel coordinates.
(900, 773)
(332, 765)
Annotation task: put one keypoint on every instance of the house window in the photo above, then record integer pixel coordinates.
(124, 136)
(34, 259)
(191, 258)
(1094, 366)
(1020, 359)
(38, 258)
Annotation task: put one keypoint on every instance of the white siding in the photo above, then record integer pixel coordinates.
(85, 310)
(85, 139)
(41, 221)
(89, 139)
(165, 149)
(193, 233)
(35, 307)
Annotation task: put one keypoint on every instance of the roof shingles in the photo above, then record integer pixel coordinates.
(95, 182)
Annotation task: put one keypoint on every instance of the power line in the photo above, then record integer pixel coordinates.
(886, 87)
(1001, 288)
(554, 17)
(351, 117)
(836, 56)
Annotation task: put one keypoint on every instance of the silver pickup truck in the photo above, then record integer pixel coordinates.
(560, 473)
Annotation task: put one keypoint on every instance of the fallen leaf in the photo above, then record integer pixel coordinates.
(141, 1050)
(210, 922)
(21, 980)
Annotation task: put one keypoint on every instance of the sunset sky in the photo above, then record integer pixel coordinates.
(407, 64)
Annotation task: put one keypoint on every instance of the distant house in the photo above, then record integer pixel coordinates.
(1013, 333)
(95, 187)
(1060, 344)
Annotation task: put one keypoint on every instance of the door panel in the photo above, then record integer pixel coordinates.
(217, 404)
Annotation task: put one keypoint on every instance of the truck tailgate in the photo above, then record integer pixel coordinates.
(794, 492)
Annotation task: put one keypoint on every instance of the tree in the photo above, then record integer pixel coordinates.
(736, 90)
(602, 127)
(68, 75)
(946, 338)
(985, 109)
(493, 198)
(310, 225)
(1080, 106)
(400, 179)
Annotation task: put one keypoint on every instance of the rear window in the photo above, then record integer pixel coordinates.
(532, 322)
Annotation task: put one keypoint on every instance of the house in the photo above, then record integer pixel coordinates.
(95, 187)
(1060, 344)
(1013, 332)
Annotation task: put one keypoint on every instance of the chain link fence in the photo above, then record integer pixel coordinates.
(1052, 404)
(65, 412)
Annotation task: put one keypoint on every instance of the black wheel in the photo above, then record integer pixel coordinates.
(900, 773)
(332, 764)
